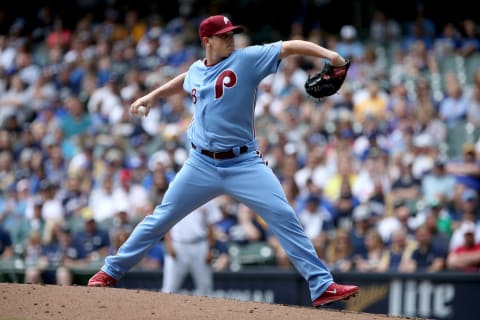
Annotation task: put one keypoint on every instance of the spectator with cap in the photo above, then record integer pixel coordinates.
(438, 184)
(350, 45)
(362, 222)
(468, 213)
(467, 256)
(94, 241)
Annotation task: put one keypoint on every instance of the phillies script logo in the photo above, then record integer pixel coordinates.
(226, 79)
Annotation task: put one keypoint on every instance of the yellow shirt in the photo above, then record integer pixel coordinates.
(333, 186)
(376, 107)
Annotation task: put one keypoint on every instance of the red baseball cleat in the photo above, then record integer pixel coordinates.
(101, 279)
(336, 292)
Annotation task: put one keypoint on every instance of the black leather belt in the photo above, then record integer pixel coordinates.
(221, 155)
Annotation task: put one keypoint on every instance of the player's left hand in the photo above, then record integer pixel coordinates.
(328, 81)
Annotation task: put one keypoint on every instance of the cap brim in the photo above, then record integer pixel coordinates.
(235, 29)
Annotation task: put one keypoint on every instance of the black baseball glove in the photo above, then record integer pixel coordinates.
(327, 81)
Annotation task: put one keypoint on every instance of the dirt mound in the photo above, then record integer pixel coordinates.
(36, 302)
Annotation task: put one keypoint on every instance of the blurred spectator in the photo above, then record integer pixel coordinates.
(425, 257)
(338, 256)
(53, 212)
(373, 67)
(453, 108)
(55, 163)
(406, 187)
(396, 253)
(159, 185)
(400, 218)
(130, 195)
(448, 42)
(384, 29)
(439, 219)
(74, 198)
(362, 222)
(59, 35)
(471, 38)
(370, 261)
(15, 98)
(468, 213)
(439, 229)
(58, 255)
(6, 248)
(314, 167)
(370, 102)
(343, 207)
(372, 178)
(317, 223)
(350, 45)
(467, 256)
(343, 179)
(421, 28)
(12, 212)
(94, 241)
(7, 53)
(102, 201)
(77, 121)
(467, 169)
(438, 184)
(425, 153)
(472, 94)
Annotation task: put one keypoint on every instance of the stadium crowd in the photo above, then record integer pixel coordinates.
(384, 176)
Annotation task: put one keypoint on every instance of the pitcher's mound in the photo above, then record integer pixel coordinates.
(37, 302)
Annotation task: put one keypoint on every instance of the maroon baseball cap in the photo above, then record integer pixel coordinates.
(216, 25)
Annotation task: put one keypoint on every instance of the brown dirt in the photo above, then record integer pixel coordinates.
(38, 302)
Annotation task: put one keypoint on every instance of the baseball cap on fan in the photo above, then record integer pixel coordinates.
(216, 25)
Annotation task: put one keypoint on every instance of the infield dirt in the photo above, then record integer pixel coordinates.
(38, 302)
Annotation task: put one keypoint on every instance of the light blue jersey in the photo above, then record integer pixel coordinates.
(224, 96)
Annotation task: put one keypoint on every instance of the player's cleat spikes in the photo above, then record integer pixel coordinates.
(336, 292)
(101, 279)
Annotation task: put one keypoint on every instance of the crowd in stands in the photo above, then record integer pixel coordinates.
(384, 175)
